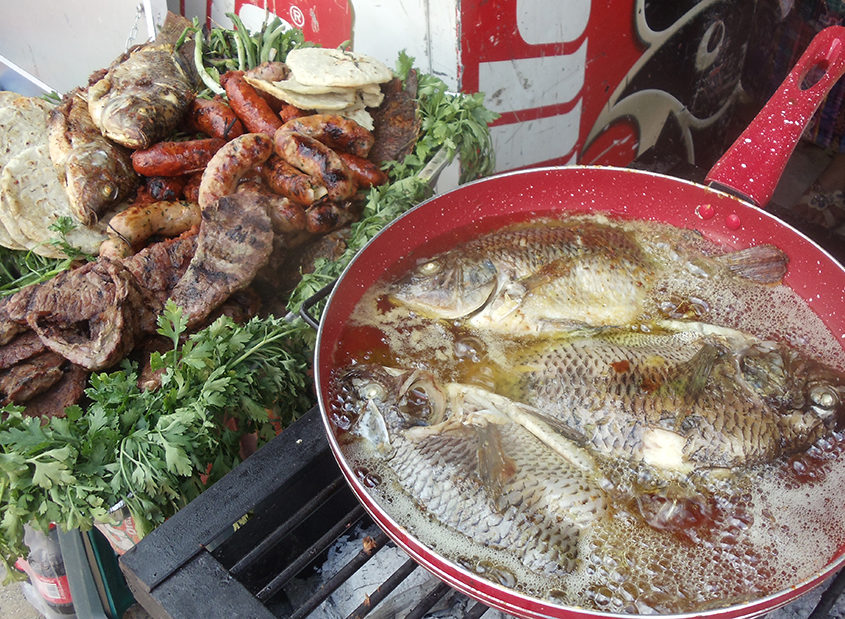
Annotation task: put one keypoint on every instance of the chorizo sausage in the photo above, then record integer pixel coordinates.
(214, 118)
(175, 158)
(191, 190)
(334, 131)
(288, 111)
(230, 163)
(255, 113)
(317, 160)
(139, 222)
(287, 181)
(364, 171)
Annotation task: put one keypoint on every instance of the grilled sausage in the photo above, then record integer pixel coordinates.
(230, 163)
(214, 118)
(255, 113)
(175, 158)
(166, 187)
(325, 217)
(191, 190)
(289, 111)
(364, 171)
(317, 160)
(334, 131)
(287, 181)
(140, 222)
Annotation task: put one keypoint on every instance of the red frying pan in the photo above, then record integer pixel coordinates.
(727, 211)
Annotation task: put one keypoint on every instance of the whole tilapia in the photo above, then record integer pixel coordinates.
(97, 173)
(143, 95)
(457, 453)
(553, 274)
(684, 397)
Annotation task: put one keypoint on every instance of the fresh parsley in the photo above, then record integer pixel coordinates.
(155, 449)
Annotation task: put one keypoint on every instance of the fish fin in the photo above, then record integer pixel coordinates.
(764, 264)
(691, 377)
(495, 468)
(549, 272)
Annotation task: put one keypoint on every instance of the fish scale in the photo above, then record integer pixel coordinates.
(541, 509)
(618, 389)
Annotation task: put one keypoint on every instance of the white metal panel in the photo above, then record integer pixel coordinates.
(427, 30)
(525, 83)
(534, 141)
(59, 43)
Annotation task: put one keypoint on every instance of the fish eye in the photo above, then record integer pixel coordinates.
(108, 191)
(373, 391)
(422, 404)
(429, 268)
(824, 398)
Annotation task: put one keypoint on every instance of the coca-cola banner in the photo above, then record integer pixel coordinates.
(575, 81)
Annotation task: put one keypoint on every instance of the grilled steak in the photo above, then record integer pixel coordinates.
(68, 390)
(157, 269)
(235, 240)
(88, 315)
(31, 377)
(22, 347)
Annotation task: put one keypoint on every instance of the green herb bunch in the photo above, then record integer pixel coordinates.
(155, 449)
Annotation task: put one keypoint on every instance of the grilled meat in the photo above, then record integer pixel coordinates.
(31, 377)
(144, 95)
(235, 240)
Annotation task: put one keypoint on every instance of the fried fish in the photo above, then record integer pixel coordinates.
(548, 275)
(144, 94)
(96, 173)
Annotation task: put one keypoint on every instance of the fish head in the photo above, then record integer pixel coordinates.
(129, 120)
(383, 401)
(793, 383)
(448, 286)
(92, 193)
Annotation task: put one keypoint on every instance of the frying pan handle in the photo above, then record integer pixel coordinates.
(753, 165)
(307, 304)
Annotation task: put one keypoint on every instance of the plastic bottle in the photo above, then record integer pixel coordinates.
(46, 571)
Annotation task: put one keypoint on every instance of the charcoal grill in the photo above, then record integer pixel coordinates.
(201, 563)
(233, 551)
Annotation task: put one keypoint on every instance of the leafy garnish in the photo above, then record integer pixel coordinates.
(155, 449)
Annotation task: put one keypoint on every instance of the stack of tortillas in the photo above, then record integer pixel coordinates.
(331, 81)
(31, 195)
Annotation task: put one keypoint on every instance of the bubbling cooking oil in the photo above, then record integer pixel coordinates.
(776, 525)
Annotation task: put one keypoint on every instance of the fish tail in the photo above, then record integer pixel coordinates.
(764, 264)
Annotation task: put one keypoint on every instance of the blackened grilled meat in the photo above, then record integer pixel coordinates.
(235, 240)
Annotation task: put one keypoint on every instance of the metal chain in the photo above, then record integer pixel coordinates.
(133, 31)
